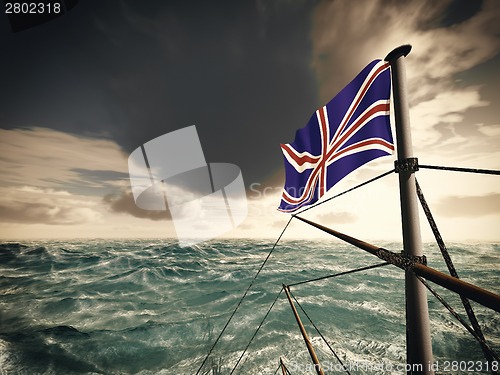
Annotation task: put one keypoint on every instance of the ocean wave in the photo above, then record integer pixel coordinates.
(152, 307)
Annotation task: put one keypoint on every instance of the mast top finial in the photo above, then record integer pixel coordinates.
(403, 50)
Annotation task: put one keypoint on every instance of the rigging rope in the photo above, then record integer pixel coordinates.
(255, 333)
(319, 333)
(287, 371)
(346, 191)
(300, 283)
(244, 295)
(458, 169)
(268, 256)
(341, 273)
(469, 170)
(459, 318)
(452, 270)
(281, 366)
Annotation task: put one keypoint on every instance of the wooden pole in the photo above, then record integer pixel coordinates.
(310, 348)
(282, 366)
(418, 336)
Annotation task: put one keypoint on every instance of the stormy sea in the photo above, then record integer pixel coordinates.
(152, 307)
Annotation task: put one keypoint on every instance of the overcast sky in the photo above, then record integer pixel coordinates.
(79, 93)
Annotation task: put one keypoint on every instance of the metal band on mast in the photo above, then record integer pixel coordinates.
(418, 338)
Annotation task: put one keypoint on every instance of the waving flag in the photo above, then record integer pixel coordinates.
(351, 130)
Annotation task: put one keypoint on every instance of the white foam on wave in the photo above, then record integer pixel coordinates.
(5, 363)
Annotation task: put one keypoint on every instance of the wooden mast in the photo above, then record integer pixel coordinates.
(418, 338)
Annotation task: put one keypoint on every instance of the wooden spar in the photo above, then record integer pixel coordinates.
(282, 366)
(473, 292)
(310, 348)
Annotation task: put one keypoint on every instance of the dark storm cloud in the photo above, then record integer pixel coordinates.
(128, 71)
(124, 203)
(50, 213)
(91, 182)
(246, 73)
(100, 176)
(459, 11)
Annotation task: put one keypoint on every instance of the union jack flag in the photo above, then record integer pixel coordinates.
(348, 132)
